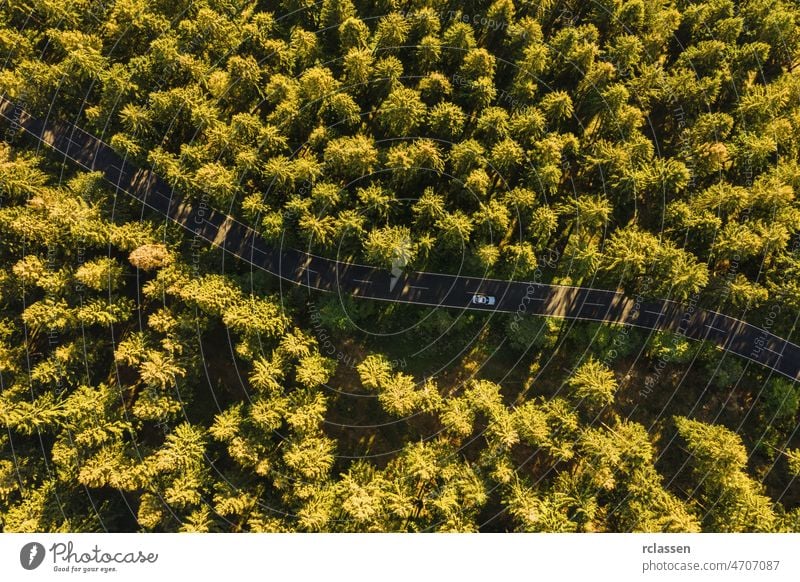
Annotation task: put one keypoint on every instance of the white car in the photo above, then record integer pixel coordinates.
(479, 299)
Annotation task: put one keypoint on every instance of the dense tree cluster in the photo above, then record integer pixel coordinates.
(609, 129)
(651, 145)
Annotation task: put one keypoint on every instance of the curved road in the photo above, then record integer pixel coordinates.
(432, 289)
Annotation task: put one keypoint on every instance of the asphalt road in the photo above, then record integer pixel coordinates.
(431, 289)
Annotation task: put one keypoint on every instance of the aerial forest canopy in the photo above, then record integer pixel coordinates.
(150, 382)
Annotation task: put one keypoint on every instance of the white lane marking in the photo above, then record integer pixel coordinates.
(590, 304)
(711, 327)
(779, 354)
(308, 275)
(122, 173)
(90, 135)
(72, 141)
(363, 281)
(417, 287)
(653, 312)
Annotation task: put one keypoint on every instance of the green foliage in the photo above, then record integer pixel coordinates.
(734, 502)
(671, 347)
(781, 400)
(654, 145)
(594, 382)
(390, 246)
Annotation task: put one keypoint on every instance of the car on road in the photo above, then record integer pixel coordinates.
(479, 299)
